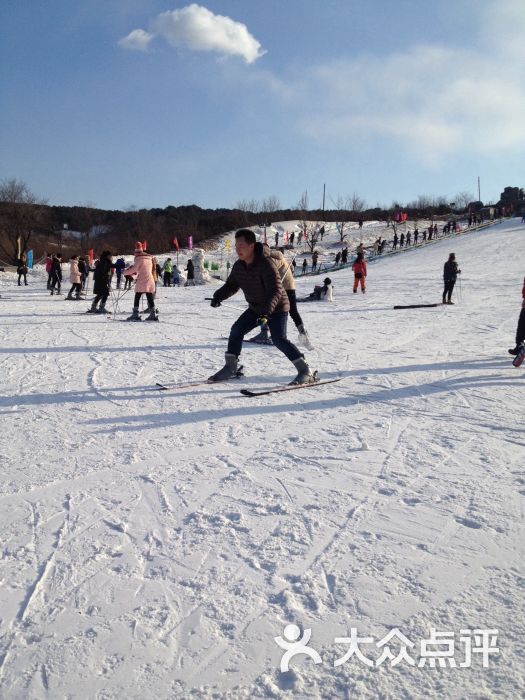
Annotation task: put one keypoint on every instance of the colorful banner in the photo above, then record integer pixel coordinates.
(176, 243)
(190, 242)
(29, 261)
(91, 255)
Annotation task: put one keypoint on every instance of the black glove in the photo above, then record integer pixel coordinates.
(215, 303)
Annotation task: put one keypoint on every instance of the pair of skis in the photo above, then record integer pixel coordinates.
(248, 392)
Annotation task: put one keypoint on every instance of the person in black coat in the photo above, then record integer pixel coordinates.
(520, 330)
(22, 271)
(450, 273)
(102, 283)
(56, 274)
(190, 269)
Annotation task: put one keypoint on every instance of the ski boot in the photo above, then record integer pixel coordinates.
(69, 297)
(518, 360)
(101, 310)
(135, 315)
(230, 370)
(514, 351)
(262, 338)
(305, 374)
(93, 309)
(153, 314)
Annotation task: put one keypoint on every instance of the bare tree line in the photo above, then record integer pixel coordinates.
(29, 222)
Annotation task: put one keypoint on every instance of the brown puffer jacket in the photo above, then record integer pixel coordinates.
(284, 268)
(260, 282)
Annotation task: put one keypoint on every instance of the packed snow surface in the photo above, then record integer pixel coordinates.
(153, 544)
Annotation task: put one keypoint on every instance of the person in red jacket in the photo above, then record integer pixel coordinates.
(359, 268)
(520, 330)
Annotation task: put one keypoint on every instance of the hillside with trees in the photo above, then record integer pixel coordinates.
(27, 222)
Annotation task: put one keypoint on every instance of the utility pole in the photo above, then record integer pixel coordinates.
(479, 191)
(324, 194)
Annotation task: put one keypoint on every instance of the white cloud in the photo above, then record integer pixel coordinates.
(197, 29)
(137, 40)
(429, 100)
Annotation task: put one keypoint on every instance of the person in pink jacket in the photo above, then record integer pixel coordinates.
(74, 278)
(144, 284)
(49, 265)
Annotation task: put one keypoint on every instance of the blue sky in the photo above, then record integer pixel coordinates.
(148, 103)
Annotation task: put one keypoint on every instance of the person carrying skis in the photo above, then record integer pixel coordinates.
(520, 330)
(284, 268)
(256, 274)
(450, 274)
(102, 283)
(359, 268)
(143, 267)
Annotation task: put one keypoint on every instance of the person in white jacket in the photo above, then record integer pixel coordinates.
(74, 278)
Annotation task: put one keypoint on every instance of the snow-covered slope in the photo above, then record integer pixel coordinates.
(154, 544)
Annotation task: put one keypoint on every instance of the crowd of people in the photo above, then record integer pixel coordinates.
(265, 275)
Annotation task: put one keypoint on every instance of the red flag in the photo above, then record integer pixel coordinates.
(145, 245)
(176, 243)
(91, 255)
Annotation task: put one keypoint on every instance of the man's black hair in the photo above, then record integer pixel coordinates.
(247, 234)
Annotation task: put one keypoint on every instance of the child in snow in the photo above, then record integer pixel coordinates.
(359, 268)
(143, 267)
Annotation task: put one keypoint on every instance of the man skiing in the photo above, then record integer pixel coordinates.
(256, 274)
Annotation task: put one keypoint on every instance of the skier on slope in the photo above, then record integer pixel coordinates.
(143, 267)
(520, 330)
(284, 268)
(102, 283)
(450, 273)
(256, 274)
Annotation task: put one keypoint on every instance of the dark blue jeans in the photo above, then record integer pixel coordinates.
(277, 325)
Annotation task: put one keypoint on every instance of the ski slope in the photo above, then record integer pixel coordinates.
(153, 544)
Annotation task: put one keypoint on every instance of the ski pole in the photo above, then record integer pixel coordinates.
(224, 303)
